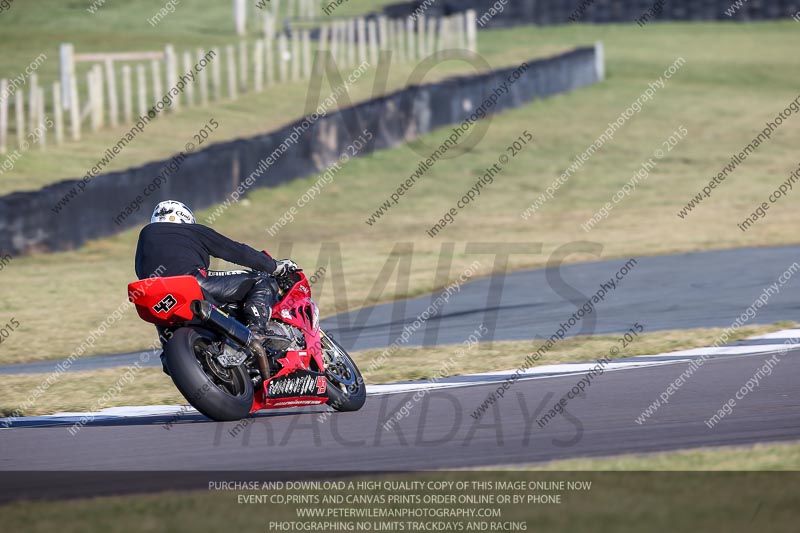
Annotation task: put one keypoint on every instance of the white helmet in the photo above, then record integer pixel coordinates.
(172, 211)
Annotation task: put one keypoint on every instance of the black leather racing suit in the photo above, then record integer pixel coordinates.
(169, 249)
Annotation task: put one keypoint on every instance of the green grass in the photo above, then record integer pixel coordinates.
(626, 501)
(782, 456)
(28, 29)
(80, 391)
(736, 77)
(25, 33)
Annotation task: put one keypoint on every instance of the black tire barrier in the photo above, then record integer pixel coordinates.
(29, 224)
(542, 12)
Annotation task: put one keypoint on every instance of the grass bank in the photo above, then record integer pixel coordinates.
(734, 79)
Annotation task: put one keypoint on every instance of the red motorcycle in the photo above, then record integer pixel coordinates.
(219, 370)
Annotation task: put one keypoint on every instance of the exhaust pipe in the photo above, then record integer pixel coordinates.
(208, 314)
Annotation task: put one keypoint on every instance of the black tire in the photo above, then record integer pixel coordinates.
(204, 389)
(344, 397)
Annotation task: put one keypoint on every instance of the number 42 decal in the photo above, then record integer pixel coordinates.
(167, 303)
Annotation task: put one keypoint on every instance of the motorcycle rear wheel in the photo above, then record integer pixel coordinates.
(221, 394)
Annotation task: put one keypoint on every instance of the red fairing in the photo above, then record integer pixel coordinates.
(296, 309)
(165, 301)
(293, 362)
(297, 401)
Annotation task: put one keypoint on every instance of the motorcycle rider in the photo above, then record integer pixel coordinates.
(173, 244)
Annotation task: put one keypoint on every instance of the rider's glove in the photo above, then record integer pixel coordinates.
(284, 266)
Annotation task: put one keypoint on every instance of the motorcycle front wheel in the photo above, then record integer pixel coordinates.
(346, 388)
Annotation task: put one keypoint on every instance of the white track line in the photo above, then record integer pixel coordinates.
(783, 334)
(470, 380)
(722, 350)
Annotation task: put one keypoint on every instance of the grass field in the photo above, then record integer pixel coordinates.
(736, 77)
(761, 457)
(23, 36)
(81, 391)
(625, 500)
(28, 30)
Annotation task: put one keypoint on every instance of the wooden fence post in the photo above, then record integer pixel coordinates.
(258, 53)
(455, 30)
(216, 74)
(344, 29)
(101, 99)
(89, 111)
(461, 24)
(171, 60)
(202, 79)
(444, 33)
(431, 46)
(421, 37)
(74, 110)
(372, 30)
(33, 82)
(410, 40)
(231, 58)
(243, 66)
(58, 114)
(472, 30)
(127, 94)
(322, 50)
(3, 116)
(351, 42)
(41, 127)
(391, 37)
(19, 111)
(306, 37)
(324, 36)
(268, 24)
(269, 63)
(188, 67)
(240, 16)
(362, 40)
(383, 33)
(334, 47)
(401, 39)
(67, 66)
(111, 81)
(141, 83)
(91, 85)
(283, 57)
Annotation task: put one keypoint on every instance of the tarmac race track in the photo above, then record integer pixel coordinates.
(440, 431)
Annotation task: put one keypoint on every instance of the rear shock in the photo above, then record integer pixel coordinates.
(208, 314)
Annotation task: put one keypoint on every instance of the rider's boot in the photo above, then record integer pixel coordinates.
(258, 311)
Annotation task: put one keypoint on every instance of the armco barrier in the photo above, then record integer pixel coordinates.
(516, 12)
(28, 223)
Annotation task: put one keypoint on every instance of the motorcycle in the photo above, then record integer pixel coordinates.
(215, 365)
